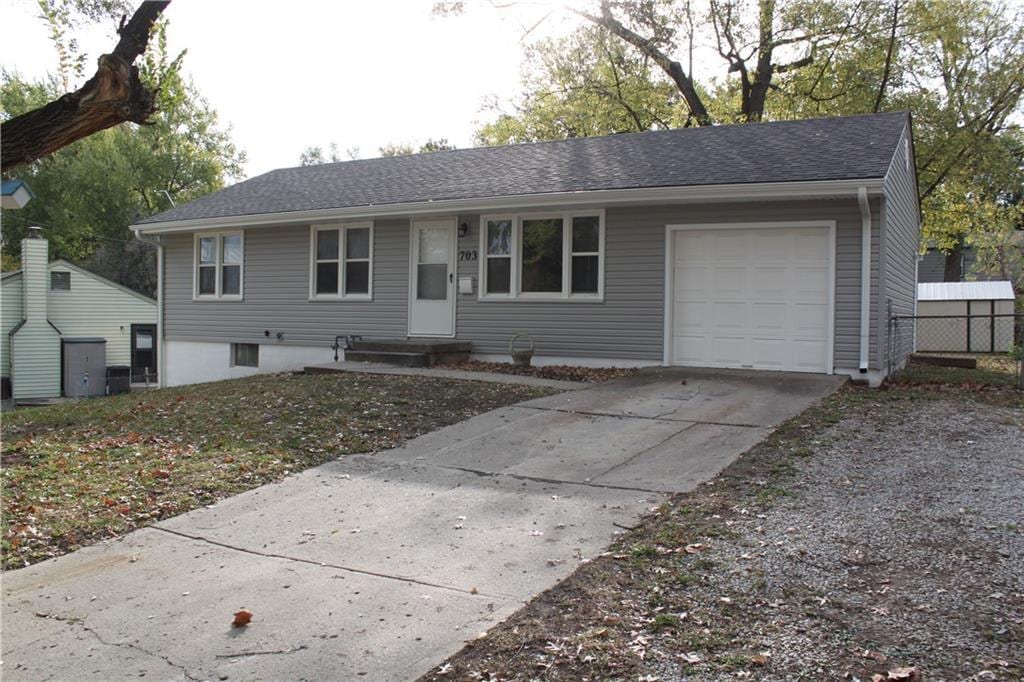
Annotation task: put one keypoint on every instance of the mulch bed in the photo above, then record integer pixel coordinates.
(588, 375)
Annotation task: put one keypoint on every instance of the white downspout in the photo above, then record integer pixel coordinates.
(161, 370)
(865, 278)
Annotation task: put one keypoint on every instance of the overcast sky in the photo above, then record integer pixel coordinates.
(286, 75)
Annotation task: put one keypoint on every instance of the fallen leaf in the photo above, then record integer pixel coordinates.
(242, 619)
(473, 590)
(907, 673)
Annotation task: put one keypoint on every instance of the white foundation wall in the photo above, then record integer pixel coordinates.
(194, 362)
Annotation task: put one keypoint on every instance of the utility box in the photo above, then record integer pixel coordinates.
(119, 379)
(85, 366)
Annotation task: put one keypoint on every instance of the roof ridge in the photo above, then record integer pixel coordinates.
(627, 133)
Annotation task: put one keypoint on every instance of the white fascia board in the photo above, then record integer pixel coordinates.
(613, 197)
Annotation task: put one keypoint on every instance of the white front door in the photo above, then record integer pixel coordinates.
(432, 278)
(757, 298)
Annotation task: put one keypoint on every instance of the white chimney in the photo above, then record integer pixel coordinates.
(34, 261)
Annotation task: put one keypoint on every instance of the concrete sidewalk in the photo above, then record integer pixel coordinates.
(378, 567)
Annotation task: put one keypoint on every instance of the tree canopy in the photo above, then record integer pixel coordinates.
(90, 192)
(956, 65)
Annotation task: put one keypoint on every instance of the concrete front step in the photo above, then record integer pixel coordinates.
(410, 346)
(400, 359)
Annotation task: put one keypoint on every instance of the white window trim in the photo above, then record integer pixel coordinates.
(515, 290)
(219, 265)
(343, 229)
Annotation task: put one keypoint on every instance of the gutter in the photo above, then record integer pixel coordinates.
(865, 278)
(161, 369)
(762, 191)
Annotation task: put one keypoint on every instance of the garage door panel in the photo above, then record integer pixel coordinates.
(692, 316)
(752, 298)
(771, 245)
(769, 353)
(729, 246)
(693, 248)
(729, 315)
(692, 282)
(730, 283)
(808, 356)
(770, 282)
(808, 282)
(765, 316)
(810, 243)
(810, 317)
(728, 351)
(690, 349)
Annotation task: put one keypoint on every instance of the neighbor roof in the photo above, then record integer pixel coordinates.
(965, 291)
(841, 148)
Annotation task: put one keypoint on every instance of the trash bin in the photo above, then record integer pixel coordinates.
(119, 379)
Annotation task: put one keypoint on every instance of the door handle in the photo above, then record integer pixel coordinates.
(451, 278)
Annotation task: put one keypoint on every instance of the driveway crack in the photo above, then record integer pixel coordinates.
(73, 621)
(555, 481)
(322, 564)
(657, 418)
(643, 452)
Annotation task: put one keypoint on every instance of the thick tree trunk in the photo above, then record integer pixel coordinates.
(114, 95)
(954, 265)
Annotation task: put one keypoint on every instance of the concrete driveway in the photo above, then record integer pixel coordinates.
(378, 567)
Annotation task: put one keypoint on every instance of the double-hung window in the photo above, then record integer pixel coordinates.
(342, 261)
(547, 256)
(219, 260)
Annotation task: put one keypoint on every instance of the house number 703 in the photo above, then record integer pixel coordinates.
(469, 254)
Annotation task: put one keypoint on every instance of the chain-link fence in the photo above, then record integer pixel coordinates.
(955, 335)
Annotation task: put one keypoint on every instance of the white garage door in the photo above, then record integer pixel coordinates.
(754, 298)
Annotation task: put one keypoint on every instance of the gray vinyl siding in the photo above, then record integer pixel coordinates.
(629, 324)
(626, 325)
(276, 292)
(901, 242)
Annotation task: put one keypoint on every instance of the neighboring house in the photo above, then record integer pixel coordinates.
(14, 194)
(47, 302)
(777, 246)
(990, 306)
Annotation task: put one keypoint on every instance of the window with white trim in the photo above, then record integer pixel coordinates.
(542, 256)
(219, 260)
(342, 261)
(498, 256)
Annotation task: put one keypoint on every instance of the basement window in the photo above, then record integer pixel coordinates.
(245, 355)
(60, 281)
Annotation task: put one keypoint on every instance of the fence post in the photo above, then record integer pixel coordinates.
(968, 326)
(991, 326)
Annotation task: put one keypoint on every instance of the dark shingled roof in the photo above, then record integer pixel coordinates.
(840, 148)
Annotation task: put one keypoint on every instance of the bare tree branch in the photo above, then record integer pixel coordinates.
(113, 96)
(672, 68)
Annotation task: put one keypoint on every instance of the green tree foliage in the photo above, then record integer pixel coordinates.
(89, 193)
(957, 65)
(589, 83)
(405, 148)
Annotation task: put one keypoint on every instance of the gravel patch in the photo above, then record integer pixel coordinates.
(880, 534)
